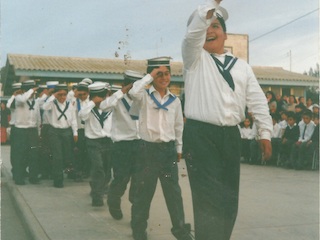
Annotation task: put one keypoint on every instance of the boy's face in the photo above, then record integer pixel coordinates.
(162, 79)
(291, 121)
(246, 123)
(284, 117)
(316, 121)
(306, 119)
(82, 95)
(61, 96)
(215, 38)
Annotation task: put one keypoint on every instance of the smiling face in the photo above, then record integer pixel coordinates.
(61, 96)
(215, 38)
(162, 79)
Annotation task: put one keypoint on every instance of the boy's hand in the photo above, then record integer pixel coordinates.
(125, 89)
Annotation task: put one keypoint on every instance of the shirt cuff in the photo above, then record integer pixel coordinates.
(265, 135)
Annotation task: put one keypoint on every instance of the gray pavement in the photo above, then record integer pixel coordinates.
(274, 204)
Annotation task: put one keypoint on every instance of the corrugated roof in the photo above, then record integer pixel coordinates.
(84, 65)
(118, 66)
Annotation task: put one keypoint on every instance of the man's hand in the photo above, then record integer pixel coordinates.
(75, 139)
(125, 89)
(179, 157)
(97, 99)
(266, 149)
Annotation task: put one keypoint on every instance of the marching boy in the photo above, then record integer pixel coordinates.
(98, 140)
(63, 132)
(125, 137)
(160, 129)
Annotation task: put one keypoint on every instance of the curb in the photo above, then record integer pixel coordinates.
(31, 223)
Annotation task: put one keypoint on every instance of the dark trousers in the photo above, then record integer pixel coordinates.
(256, 156)
(157, 161)
(12, 149)
(212, 154)
(45, 153)
(245, 149)
(99, 155)
(61, 145)
(285, 149)
(26, 153)
(124, 165)
(82, 162)
(300, 156)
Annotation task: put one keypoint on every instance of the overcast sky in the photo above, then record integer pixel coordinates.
(144, 29)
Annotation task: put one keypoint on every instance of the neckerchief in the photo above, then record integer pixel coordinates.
(100, 117)
(159, 105)
(225, 68)
(127, 106)
(31, 105)
(62, 112)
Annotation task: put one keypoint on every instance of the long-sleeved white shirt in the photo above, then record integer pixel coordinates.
(54, 114)
(12, 110)
(92, 126)
(276, 133)
(78, 105)
(45, 115)
(24, 117)
(246, 133)
(208, 97)
(124, 128)
(306, 131)
(157, 125)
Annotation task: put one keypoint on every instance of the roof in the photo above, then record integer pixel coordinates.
(35, 63)
(84, 65)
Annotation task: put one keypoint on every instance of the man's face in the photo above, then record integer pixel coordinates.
(215, 38)
(61, 96)
(162, 79)
(306, 119)
(82, 95)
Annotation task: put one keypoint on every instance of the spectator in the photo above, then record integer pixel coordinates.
(281, 103)
(306, 129)
(309, 104)
(246, 138)
(315, 109)
(5, 115)
(290, 136)
(283, 123)
(272, 101)
(313, 143)
(292, 103)
(301, 100)
(275, 139)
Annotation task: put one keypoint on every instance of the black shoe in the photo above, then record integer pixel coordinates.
(58, 183)
(140, 236)
(116, 213)
(97, 202)
(34, 180)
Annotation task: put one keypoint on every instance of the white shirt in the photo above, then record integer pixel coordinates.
(276, 133)
(12, 110)
(308, 131)
(123, 127)
(54, 114)
(208, 97)
(45, 114)
(157, 125)
(78, 105)
(25, 118)
(92, 126)
(246, 133)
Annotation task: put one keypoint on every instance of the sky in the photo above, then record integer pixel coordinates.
(142, 29)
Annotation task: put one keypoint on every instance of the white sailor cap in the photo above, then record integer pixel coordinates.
(130, 75)
(219, 12)
(315, 106)
(43, 86)
(97, 87)
(115, 87)
(82, 86)
(28, 84)
(16, 85)
(157, 62)
(52, 84)
(61, 86)
(87, 80)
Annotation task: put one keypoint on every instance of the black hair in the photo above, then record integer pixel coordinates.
(307, 113)
(150, 68)
(81, 88)
(222, 23)
(101, 94)
(291, 115)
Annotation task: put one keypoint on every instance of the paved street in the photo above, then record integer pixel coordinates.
(275, 203)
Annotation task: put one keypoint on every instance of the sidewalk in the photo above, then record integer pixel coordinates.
(274, 204)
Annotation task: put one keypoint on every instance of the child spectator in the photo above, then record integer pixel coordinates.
(290, 136)
(306, 129)
(283, 123)
(246, 138)
(313, 143)
(275, 139)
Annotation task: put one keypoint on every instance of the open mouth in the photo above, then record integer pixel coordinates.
(209, 39)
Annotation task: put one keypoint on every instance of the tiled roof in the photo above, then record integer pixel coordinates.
(118, 66)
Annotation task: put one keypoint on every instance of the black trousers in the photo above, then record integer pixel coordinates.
(26, 142)
(61, 146)
(124, 164)
(100, 157)
(82, 162)
(157, 161)
(212, 154)
(45, 152)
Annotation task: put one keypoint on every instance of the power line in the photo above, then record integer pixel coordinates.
(283, 25)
